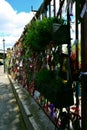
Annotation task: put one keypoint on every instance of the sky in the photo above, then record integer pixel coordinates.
(14, 15)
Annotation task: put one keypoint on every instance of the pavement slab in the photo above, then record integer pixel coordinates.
(10, 117)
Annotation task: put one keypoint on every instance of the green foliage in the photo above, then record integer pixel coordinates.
(55, 90)
(48, 85)
(40, 33)
(44, 76)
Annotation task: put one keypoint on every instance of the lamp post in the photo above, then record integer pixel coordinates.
(4, 53)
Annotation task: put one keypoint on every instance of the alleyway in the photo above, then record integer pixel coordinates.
(10, 117)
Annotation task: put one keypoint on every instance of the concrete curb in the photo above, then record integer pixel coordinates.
(16, 89)
(33, 115)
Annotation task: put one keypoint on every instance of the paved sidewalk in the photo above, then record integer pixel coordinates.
(10, 117)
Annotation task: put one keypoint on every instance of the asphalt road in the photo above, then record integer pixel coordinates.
(10, 116)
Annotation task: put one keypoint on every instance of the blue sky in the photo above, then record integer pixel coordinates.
(25, 5)
(14, 15)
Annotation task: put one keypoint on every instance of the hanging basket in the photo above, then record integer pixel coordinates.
(61, 35)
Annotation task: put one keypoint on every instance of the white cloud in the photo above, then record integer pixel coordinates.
(11, 23)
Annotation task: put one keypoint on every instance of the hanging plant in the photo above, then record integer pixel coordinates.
(40, 33)
(55, 90)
